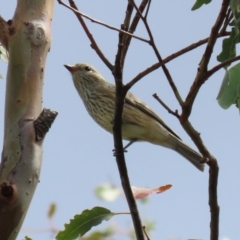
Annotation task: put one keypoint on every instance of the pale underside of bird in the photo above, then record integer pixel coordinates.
(139, 122)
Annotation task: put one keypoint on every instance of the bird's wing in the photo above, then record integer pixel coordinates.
(132, 100)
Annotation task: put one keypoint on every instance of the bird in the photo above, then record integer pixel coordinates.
(139, 121)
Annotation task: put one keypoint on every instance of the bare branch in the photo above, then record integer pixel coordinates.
(213, 198)
(168, 59)
(166, 106)
(92, 40)
(145, 232)
(221, 65)
(165, 70)
(202, 69)
(117, 133)
(101, 23)
(228, 18)
(147, 11)
(133, 26)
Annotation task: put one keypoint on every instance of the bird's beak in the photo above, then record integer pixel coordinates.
(70, 68)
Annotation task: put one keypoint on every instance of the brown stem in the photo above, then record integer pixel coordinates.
(152, 43)
(166, 106)
(202, 69)
(170, 58)
(117, 134)
(102, 23)
(88, 33)
(133, 26)
(213, 199)
(221, 65)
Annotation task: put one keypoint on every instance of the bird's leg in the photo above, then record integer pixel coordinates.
(130, 143)
(125, 147)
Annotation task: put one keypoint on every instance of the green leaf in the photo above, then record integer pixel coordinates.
(84, 222)
(228, 47)
(1, 76)
(199, 3)
(229, 44)
(230, 89)
(101, 234)
(52, 210)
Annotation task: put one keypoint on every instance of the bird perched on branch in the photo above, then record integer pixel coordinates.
(139, 122)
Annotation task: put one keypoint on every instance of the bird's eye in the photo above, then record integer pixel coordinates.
(88, 69)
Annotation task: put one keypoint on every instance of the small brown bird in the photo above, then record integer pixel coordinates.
(139, 122)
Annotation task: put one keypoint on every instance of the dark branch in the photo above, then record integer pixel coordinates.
(133, 26)
(221, 65)
(202, 69)
(213, 199)
(90, 37)
(166, 106)
(169, 58)
(228, 18)
(117, 134)
(152, 43)
(101, 23)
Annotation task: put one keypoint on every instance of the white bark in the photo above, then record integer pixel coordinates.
(27, 40)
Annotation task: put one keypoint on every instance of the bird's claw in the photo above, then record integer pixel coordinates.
(114, 152)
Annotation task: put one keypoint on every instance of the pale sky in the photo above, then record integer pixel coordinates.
(78, 153)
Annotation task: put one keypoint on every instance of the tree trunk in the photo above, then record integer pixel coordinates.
(27, 38)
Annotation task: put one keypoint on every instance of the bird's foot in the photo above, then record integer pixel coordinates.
(114, 152)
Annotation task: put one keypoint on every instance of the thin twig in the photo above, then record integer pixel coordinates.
(228, 18)
(102, 23)
(165, 70)
(145, 232)
(126, 24)
(174, 113)
(168, 59)
(221, 65)
(90, 37)
(202, 69)
(147, 11)
(133, 27)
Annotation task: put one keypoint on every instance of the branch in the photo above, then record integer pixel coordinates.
(202, 69)
(212, 182)
(221, 65)
(213, 199)
(228, 18)
(101, 23)
(4, 35)
(133, 26)
(165, 106)
(170, 58)
(152, 43)
(117, 134)
(90, 37)
(29, 42)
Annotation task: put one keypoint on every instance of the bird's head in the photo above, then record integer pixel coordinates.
(83, 72)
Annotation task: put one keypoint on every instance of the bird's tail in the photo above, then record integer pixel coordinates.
(187, 152)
